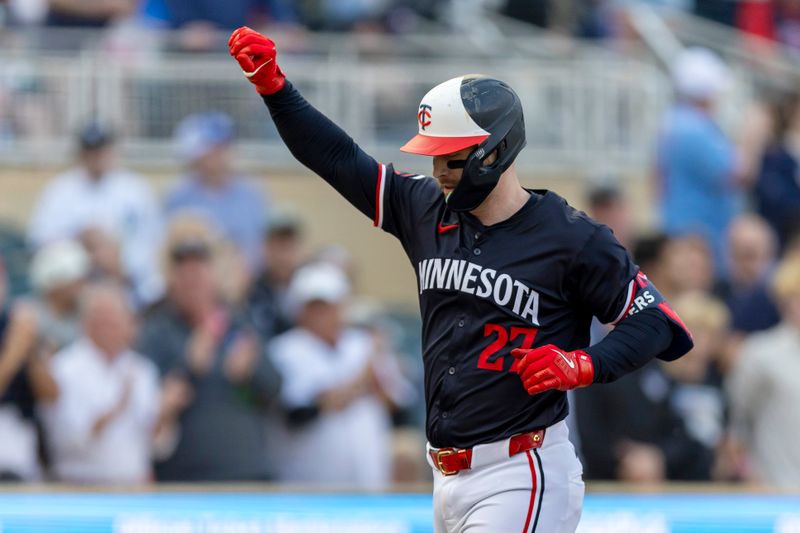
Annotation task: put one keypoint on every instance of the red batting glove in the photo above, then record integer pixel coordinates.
(548, 367)
(256, 56)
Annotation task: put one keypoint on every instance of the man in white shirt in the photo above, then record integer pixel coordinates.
(337, 389)
(96, 195)
(101, 428)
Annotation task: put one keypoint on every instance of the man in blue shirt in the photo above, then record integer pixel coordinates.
(696, 161)
(211, 186)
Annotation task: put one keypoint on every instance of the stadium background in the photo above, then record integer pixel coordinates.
(595, 80)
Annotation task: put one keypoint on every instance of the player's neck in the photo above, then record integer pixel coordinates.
(507, 198)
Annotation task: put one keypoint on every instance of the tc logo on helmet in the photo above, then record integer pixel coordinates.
(424, 116)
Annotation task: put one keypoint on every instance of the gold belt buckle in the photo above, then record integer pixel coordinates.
(440, 454)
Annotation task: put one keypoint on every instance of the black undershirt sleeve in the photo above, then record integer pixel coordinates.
(632, 344)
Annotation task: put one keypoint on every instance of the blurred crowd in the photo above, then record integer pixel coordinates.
(196, 16)
(727, 258)
(777, 20)
(774, 20)
(194, 337)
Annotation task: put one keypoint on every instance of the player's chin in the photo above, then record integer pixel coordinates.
(446, 190)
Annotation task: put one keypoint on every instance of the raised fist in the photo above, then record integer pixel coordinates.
(256, 56)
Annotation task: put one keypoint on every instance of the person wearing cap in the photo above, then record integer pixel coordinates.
(97, 194)
(36, 327)
(335, 387)
(194, 335)
(699, 185)
(211, 186)
(508, 281)
(58, 274)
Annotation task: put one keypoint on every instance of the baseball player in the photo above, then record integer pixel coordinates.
(508, 280)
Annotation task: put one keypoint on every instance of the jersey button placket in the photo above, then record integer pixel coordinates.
(450, 385)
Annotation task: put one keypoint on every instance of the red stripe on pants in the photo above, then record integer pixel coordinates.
(533, 492)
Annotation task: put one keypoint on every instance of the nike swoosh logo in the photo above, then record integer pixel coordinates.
(564, 357)
(251, 74)
(442, 229)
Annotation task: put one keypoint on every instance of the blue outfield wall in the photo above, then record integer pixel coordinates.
(206, 512)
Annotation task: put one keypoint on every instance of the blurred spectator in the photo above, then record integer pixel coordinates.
(91, 13)
(283, 250)
(58, 275)
(764, 387)
(194, 334)
(699, 192)
(104, 255)
(49, 320)
(752, 249)
(687, 265)
(698, 397)
(25, 382)
(96, 195)
(607, 205)
(101, 428)
(777, 187)
(649, 252)
(339, 385)
(212, 187)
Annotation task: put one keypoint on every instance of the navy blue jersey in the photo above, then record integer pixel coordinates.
(536, 278)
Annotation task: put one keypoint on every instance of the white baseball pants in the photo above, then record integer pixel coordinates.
(539, 490)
